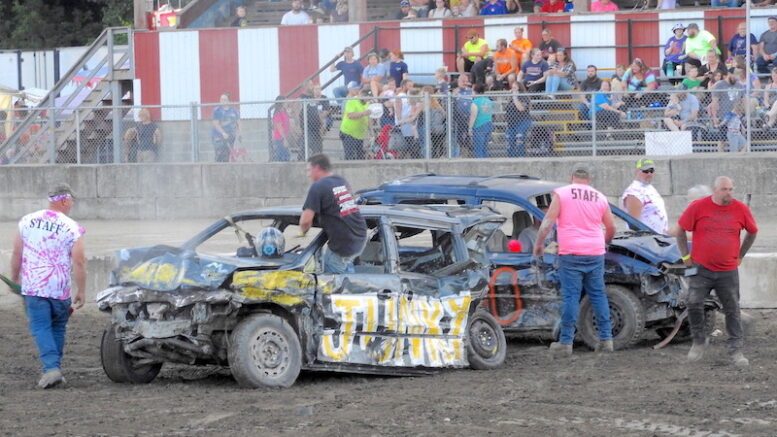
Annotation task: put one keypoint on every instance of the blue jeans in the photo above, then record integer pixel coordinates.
(578, 272)
(481, 136)
(725, 3)
(516, 138)
(334, 263)
(279, 151)
(47, 321)
(340, 94)
(353, 148)
(555, 83)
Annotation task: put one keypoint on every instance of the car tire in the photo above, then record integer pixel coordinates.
(626, 313)
(119, 366)
(264, 351)
(684, 334)
(487, 347)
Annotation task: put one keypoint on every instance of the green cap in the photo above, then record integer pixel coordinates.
(645, 164)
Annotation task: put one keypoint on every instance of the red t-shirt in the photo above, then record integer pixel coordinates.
(550, 8)
(716, 232)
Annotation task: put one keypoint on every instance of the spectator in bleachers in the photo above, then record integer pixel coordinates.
(521, 46)
(734, 135)
(692, 80)
(387, 96)
(441, 78)
(143, 140)
(465, 8)
(437, 123)
(462, 99)
(351, 70)
(562, 73)
(403, 112)
(617, 76)
(682, 110)
(590, 84)
(355, 123)
(552, 6)
(534, 72)
(763, 4)
(666, 4)
(712, 65)
(296, 15)
(281, 131)
(339, 14)
(738, 45)
(240, 17)
(514, 7)
(518, 120)
(767, 47)
(637, 80)
(725, 3)
(770, 101)
(607, 115)
(698, 43)
(505, 63)
(374, 74)
(673, 51)
(481, 115)
(404, 10)
(421, 7)
(726, 94)
(225, 128)
(604, 6)
(548, 44)
(441, 10)
(318, 118)
(474, 50)
(494, 7)
(397, 67)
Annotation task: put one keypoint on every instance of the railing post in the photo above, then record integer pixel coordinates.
(117, 117)
(78, 136)
(193, 132)
(449, 123)
(52, 135)
(629, 40)
(110, 53)
(305, 132)
(592, 111)
(427, 126)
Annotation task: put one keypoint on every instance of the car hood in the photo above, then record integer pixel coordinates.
(166, 268)
(654, 248)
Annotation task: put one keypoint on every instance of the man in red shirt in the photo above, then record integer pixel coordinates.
(552, 6)
(716, 222)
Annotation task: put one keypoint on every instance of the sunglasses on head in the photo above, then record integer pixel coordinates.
(650, 170)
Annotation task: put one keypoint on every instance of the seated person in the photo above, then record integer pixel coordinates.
(534, 72)
(683, 109)
(528, 235)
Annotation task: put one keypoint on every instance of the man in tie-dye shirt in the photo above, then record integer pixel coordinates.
(47, 247)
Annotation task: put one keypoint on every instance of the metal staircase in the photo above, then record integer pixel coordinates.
(95, 85)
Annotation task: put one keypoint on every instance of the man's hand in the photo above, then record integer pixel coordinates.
(539, 249)
(79, 299)
(739, 261)
(688, 262)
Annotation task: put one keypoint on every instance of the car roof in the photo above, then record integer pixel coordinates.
(516, 184)
(439, 214)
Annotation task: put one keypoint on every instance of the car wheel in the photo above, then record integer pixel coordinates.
(120, 366)
(264, 351)
(684, 334)
(626, 315)
(487, 346)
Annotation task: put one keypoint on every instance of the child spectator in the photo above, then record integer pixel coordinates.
(692, 79)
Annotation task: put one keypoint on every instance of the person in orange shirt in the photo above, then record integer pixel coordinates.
(505, 63)
(521, 46)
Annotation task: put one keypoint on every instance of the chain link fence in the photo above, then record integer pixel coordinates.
(416, 124)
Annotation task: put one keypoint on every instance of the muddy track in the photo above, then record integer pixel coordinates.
(635, 392)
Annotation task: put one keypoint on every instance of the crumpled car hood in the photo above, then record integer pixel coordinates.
(652, 247)
(166, 268)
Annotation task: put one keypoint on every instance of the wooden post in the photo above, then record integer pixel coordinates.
(357, 11)
(140, 10)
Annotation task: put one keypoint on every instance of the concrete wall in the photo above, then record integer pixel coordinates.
(206, 190)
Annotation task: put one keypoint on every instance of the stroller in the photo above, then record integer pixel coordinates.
(381, 146)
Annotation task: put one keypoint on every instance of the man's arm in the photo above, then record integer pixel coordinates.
(682, 245)
(633, 206)
(473, 114)
(79, 270)
(547, 224)
(16, 257)
(609, 225)
(306, 220)
(747, 243)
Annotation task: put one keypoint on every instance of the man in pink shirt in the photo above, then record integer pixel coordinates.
(604, 6)
(580, 212)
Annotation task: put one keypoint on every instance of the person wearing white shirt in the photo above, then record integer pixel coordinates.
(643, 202)
(296, 15)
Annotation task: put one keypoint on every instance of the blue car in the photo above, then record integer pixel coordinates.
(643, 270)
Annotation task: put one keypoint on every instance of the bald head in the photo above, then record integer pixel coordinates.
(723, 190)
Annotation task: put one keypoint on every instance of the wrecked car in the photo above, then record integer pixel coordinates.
(643, 271)
(411, 305)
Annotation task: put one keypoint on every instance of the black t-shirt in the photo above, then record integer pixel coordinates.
(513, 115)
(146, 137)
(331, 199)
(549, 47)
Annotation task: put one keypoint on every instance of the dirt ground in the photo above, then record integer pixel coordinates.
(638, 392)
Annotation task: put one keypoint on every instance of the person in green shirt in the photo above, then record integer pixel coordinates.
(696, 46)
(692, 79)
(353, 127)
(474, 50)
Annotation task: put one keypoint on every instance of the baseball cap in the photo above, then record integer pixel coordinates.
(771, 19)
(471, 33)
(678, 26)
(645, 164)
(404, 3)
(353, 85)
(60, 190)
(693, 26)
(581, 171)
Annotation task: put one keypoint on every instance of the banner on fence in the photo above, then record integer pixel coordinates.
(668, 143)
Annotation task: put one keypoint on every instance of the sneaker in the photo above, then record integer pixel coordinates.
(559, 350)
(604, 346)
(697, 352)
(51, 379)
(740, 360)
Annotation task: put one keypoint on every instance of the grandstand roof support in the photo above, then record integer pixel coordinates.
(357, 11)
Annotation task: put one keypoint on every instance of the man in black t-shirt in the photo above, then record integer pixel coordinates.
(331, 200)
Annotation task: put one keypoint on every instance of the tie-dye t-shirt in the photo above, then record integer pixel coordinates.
(48, 238)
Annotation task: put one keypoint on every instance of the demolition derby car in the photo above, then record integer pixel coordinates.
(410, 305)
(643, 271)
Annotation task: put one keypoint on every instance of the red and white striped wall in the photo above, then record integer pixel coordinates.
(258, 64)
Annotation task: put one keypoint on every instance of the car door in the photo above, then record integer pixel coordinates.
(357, 312)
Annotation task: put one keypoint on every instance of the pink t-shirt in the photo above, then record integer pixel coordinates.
(48, 238)
(599, 7)
(580, 220)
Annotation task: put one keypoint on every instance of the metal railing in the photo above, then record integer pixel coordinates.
(666, 122)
